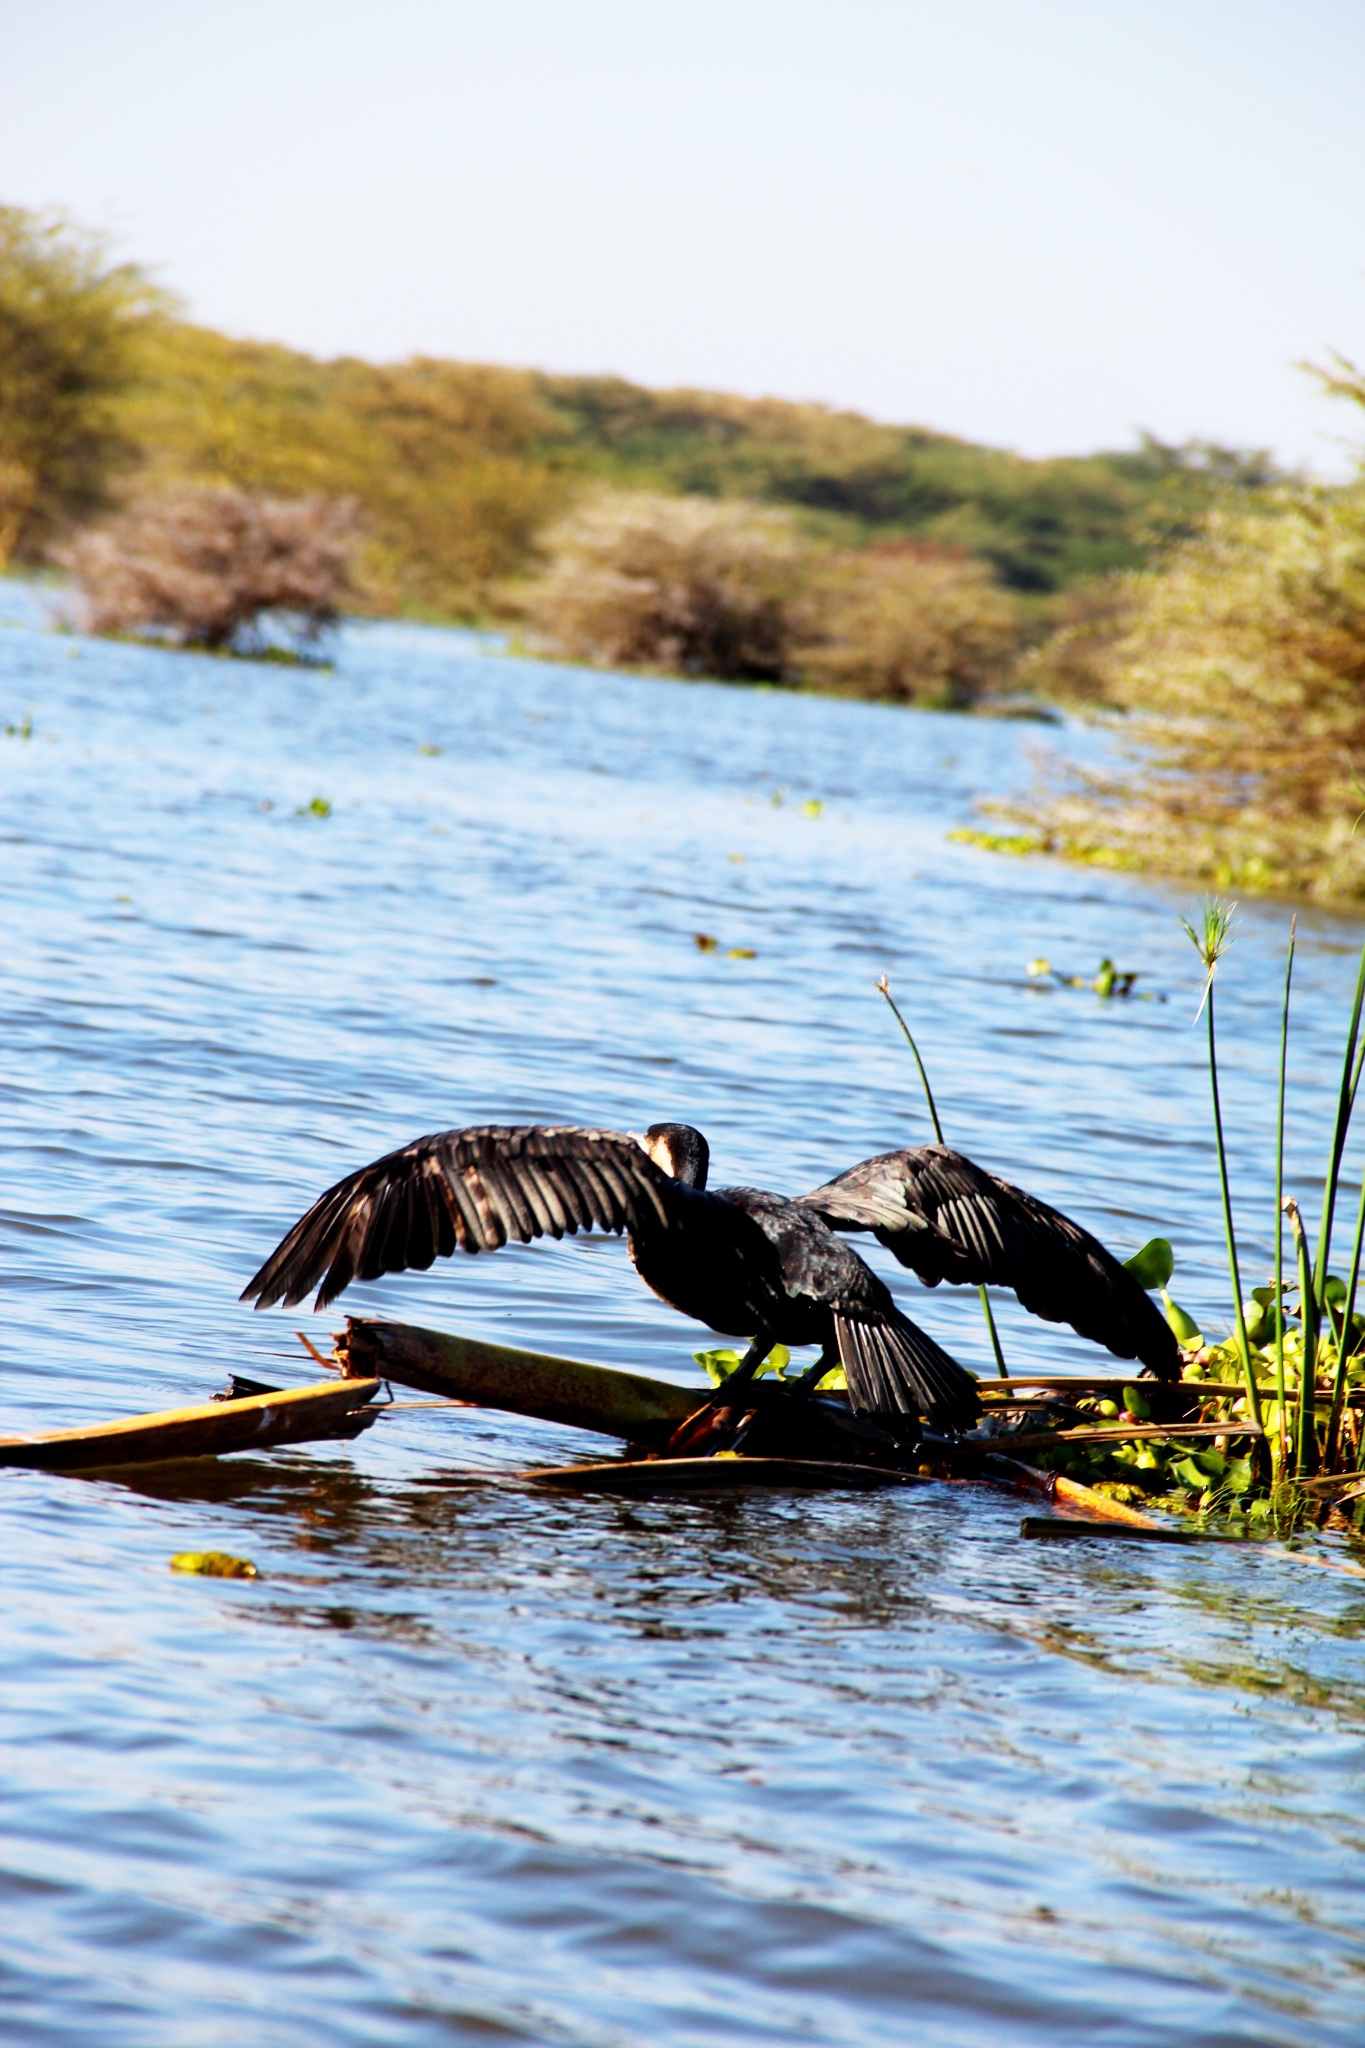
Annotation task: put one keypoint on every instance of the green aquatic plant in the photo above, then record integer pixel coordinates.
(1211, 941)
(719, 1364)
(318, 808)
(1283, 1445)
(1107, 982)
(1290, 1377)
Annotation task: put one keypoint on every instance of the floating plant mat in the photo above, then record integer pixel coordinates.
(211, 1429)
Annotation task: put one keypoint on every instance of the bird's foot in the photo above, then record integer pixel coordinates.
(707, 1429)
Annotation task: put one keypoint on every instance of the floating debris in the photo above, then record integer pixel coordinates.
(214, 1564)
(1107, 982)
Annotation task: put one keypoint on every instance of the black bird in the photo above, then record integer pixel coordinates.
(948, 1219)
(748, 1263)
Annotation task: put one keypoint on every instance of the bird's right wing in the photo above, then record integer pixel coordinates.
(949, 1219)
(473, 1189)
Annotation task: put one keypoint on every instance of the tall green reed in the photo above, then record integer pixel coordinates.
(1211, 941)
(1283, 1435)
(1350, 1081)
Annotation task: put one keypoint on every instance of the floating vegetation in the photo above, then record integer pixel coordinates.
(318, 808)
(214, 1564)
(706, 942)
(23, 730)
(718, 1366)
(427, 748)
(1266, 1431)
(1002, 842)
(1107, 982)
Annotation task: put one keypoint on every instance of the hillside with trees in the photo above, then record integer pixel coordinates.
(460, 469)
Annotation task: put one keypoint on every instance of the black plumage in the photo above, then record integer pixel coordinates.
(948, 1219)
(745, 1262)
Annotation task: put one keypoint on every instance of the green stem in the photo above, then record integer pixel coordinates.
(1000, 1366)
(883, 989)
(1350, 1081)
(1243, 1343)
(1344, 1336)
(1308, 1371)
(1279, 1211)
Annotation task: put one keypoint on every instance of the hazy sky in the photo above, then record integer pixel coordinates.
(1043, 223)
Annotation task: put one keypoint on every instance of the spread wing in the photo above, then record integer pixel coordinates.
(475, 1189)
(948, 1219)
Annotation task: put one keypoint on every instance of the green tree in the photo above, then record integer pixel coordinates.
(70, 327)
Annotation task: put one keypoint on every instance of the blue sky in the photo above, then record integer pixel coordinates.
(1039, 223)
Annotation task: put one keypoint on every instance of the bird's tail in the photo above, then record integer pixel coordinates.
(895, 1370)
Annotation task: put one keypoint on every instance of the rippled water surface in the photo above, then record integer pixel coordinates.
(465, 1765)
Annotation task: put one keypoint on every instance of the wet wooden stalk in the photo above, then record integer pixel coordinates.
(210, 1429)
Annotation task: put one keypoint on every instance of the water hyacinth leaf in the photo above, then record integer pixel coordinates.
(1237, 1475)
(1153, 1266)
(1189, 1474)
(1186, 1330)
(1137, 1404)
(717, 1365)
(777, 1361)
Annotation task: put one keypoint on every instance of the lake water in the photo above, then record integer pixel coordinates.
(469, 1766)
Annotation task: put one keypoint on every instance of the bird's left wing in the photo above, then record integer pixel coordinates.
(473, 1189)
(949, 1219)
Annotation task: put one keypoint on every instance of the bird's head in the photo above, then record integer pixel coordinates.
(679, 1150)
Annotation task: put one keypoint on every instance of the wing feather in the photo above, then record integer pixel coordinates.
(474, 1189)
(948, 1219)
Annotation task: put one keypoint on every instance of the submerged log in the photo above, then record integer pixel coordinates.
(1055, 1527)
(296, 1415)
(729, 1474)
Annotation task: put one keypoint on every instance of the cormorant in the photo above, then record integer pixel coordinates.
(748, 1263)
(744, 1261)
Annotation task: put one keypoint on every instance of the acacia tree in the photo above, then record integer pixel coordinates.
(201, 564)
(70, 325)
